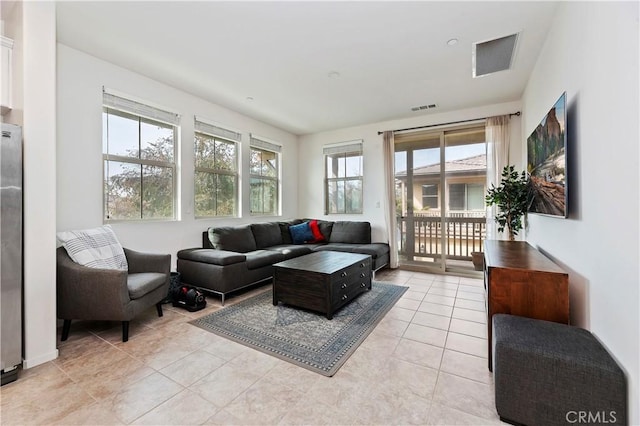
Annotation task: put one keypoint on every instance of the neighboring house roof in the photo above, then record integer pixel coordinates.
(477, 163)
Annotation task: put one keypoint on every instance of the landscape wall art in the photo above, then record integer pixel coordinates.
(546, 162)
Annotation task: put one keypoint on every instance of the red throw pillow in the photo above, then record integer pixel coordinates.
(315, 230)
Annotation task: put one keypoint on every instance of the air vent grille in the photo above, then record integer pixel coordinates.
(423, 107)
(493, 55)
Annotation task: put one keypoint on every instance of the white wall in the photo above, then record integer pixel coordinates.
(311, 181)
(592, 54)
(39, 103)
(79, 178)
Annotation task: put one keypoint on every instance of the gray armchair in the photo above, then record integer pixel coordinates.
(111, 295)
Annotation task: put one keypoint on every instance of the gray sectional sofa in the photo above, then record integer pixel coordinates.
(232, 258)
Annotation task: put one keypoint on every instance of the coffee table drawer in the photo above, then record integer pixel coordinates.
(345, 285)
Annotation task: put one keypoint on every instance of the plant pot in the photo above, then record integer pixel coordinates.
(477, 258)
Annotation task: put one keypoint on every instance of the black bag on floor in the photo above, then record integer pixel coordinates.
(188, 298)
(174, 284)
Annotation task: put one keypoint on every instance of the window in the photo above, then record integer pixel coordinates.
(466, 196)
(343, 191)
(264, 170)
(429, 197)
(139, 145)
(216, 170)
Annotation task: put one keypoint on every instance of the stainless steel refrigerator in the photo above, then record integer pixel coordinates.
(11, 256)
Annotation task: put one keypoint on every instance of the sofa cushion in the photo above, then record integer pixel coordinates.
(143, 283)
(345, 248)
(375, 250)
(233, 238)
(284, 230)
(289, 251)
(94, 248)
(212, 256)
(351, 232)
(301, 233)
(266, 234)
(259, 258)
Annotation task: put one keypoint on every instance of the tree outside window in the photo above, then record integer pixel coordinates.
(139, 167)
(216, 176)
(264, 181)
(343, 179)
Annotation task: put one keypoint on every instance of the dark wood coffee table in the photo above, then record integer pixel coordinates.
(322, 281)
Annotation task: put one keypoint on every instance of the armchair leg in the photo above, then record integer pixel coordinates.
(159, 308)
(125, 331)
(65, 329)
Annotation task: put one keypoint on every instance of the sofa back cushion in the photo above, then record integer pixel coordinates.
(351, 232)
(266, 234)
(233, 238)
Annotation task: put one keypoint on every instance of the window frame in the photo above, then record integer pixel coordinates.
(107, 157)
(212, 171)
(343, 150)
(465, 196)
(435, 196)
(273, 179)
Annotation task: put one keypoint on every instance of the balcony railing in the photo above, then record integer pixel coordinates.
(463, 236)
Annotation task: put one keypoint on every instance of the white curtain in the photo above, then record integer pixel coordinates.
(390, 197)
(498, 140)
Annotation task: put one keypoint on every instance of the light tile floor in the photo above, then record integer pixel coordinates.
(425, 363)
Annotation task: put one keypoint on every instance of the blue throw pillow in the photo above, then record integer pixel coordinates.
(302, 233)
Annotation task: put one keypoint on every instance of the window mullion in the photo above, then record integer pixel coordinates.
(133, 160)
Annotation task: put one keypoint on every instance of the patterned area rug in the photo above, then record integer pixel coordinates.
(301, 337)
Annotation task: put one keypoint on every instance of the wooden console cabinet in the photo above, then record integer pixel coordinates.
(519, 280)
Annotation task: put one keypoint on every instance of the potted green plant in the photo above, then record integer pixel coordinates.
(513, 197)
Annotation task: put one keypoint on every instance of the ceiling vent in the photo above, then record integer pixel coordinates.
(493, 55)
(423, 107)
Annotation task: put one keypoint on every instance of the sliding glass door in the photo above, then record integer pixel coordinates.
(440, 186)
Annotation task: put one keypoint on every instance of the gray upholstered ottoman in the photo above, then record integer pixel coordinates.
(548, 373)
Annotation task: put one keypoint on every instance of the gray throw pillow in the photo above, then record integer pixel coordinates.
(233, 238)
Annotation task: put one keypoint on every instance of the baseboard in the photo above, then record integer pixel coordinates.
(33, 362)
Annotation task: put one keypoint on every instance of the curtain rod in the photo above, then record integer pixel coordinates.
(517, 113)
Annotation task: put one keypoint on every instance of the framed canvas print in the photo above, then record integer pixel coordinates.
(546, 162)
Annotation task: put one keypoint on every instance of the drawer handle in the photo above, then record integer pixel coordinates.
(362, 265)
(363, 285)
(362, 274)
(344, 297)
(343, 274)
(344, 285)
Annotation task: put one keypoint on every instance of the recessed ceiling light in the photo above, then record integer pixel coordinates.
(334, 75)
(452, 42)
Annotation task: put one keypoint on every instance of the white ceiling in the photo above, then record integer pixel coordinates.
(391, 56)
